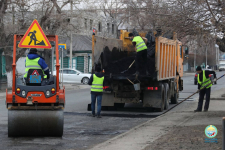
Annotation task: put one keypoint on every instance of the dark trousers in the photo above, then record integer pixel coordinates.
(141, 61)
(202, 94)
(99, 103)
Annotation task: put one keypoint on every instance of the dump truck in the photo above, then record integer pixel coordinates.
(35, 109)
(155, 90)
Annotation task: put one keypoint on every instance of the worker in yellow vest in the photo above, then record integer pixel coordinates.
(141, 56)
(35, 61)
(96, 82)
(204, 80)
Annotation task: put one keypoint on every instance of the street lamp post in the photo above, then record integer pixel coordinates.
(217, 54)
(195, 60)
(206, 58)
(71, 34)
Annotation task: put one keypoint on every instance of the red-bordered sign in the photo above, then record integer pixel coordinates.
(34, 37)
(35, 72)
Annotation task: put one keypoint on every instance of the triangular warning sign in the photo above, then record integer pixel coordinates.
(35, 72)
(34, 37)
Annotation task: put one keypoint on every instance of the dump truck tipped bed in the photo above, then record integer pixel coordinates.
(116, 55)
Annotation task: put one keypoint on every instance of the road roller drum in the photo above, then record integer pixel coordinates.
(35, 123)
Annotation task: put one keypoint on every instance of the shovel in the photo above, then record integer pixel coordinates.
(129, 67)
(136, 86)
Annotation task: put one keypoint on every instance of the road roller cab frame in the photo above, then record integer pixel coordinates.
(35, 110)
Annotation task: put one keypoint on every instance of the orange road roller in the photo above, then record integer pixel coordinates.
(35, 109)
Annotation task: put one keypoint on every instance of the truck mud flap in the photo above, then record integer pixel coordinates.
(153, 98)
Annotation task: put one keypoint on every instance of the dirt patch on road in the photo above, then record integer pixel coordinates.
(186, 138)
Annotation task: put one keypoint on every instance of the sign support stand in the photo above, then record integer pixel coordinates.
(52, 59)
(62, 66)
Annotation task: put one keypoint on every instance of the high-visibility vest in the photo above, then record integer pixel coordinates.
(140, 44)
(33, 64)
(97, 84)
(205, 81)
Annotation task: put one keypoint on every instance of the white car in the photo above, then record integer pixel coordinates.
(221, 67)
(73, 76)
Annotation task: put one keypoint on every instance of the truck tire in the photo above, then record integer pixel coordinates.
(119, 105)
(162, 101)
(89, 107)
(174, 98)
(167, 96)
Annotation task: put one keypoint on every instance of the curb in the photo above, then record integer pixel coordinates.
(121, 135)
(129, 131)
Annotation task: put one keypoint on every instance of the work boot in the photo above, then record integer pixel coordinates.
(99, 116)
(205, 110)
(197, 110)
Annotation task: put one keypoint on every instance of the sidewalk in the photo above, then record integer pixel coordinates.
(179, 129)
(188, 74)
(70, 86)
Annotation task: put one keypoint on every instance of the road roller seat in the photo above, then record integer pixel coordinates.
(34, 77)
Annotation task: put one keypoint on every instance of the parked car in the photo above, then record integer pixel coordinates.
(211, 77)
(73, 76)
(221, 67)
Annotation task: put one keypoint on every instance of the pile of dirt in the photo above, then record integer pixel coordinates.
(117, 67)
(116, 61)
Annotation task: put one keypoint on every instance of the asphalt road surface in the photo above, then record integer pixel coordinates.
(81, 131)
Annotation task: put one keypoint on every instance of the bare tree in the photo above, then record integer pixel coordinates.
(16, 16)
(7, 30)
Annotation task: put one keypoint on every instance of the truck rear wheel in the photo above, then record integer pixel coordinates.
(174, 98)
(119, 105)
(167, 96)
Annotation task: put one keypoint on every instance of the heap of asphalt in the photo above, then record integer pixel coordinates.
(117, 67)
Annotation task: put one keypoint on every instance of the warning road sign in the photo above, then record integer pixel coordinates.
(34, 37)
(35, 72)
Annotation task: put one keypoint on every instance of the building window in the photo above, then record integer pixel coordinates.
(85, 24)
(99, 27)
(108, 27)
(112, 28)
(91, 24)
